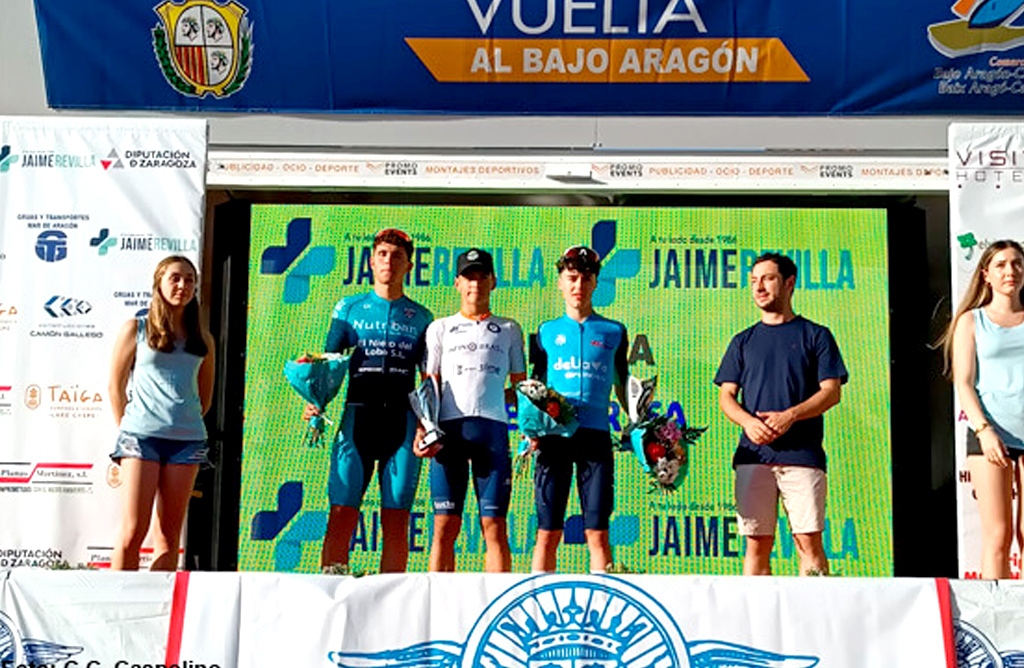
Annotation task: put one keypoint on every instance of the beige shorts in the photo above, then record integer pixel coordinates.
(758, 487)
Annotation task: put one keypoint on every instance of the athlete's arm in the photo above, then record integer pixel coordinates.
(431, 368)
(121, 365)
(755, 429)
(621, 369)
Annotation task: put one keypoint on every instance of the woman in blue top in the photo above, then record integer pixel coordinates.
(985, 342)
(168, 355)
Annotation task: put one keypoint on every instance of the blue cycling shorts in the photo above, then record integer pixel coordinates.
(372, 435)
(483, 442)
(590, 451)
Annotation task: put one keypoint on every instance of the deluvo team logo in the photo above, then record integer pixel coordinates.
(569, 622)
(980, 26)
(203, 48)
(18, 651)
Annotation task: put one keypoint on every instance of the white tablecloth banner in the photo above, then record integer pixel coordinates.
(986, 201)
(88, 206)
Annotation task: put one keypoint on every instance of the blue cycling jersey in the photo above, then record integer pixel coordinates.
(581, 361)
(389, 342)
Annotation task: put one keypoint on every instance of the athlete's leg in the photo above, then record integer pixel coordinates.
(595, 481)
(487, 440)
(139, 480)
(449, 476)
(174, 491)
(341, 523)
(398, 473)
(552, 481)
(346, 483)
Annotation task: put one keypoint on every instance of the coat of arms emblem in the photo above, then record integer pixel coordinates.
(203, 47)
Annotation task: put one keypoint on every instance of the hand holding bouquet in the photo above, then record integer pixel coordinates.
(541, 412)
(660, 443)
(317, 378)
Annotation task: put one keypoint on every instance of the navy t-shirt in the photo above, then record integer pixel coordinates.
(776, 367)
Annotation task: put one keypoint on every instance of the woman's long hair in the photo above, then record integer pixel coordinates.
(977, 294)
(160, 327)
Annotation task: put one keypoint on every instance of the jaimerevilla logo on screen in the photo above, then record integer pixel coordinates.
(589, 42)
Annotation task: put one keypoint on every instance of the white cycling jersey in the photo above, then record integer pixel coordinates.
(473, 358)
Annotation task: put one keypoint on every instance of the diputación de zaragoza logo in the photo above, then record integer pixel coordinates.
(203, 47)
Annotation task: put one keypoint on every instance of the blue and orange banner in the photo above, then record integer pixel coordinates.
(537, 56)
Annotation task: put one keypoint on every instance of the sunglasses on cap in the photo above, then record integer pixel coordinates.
(581, 254)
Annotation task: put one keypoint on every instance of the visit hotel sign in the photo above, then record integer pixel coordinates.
(537, 56)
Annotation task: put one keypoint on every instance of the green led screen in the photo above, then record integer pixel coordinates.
(677, 278)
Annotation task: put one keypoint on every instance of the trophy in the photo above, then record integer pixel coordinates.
(639, 395)
(425, 401)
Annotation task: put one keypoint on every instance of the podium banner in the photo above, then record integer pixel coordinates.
(87, 209)
(986, 181)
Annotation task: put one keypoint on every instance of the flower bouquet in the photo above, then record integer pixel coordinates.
(660, 443)
(541, 412)
(317, 378)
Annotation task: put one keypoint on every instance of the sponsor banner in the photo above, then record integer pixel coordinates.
(986, 181)
(87, 209)
(509, 56)
(677, 278)
(843, 174)
(516, 621)
(987, 623)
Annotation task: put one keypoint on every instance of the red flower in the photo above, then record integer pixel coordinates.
(655, 451)
(553, 409)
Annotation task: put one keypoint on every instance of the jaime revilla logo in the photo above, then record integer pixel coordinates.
(592, 44)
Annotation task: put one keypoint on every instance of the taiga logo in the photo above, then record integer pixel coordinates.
(203, 48)
(52, 246)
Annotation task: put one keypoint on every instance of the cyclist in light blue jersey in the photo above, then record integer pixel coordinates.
(583, 356)
(386, 329)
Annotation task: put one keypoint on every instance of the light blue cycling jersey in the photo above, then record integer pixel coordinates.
(389, 344)
(582, 361)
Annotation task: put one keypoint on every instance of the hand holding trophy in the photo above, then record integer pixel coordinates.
(425, 401)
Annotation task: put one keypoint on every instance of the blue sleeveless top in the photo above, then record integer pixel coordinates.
(164, 398)
(999, 377)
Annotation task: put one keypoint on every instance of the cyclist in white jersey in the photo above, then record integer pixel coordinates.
(471, 353)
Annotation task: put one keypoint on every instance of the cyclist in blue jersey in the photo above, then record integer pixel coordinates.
(583, 356)
(386, 329)
(471, 354)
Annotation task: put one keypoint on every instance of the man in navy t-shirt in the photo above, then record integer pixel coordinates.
(777, 379)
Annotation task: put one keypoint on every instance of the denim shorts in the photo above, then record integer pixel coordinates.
(156, 449)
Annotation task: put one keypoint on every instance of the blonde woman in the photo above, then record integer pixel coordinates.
(168, 355)
(985, 342)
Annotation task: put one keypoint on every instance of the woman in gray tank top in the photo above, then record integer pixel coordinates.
(985, 343)
(167, 359)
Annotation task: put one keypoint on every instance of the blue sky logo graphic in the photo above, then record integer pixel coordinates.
(103, 242)
(565, 620)
(7, 159)
(18, 651)
(624, 264)
(52, 246)
(317, 261)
